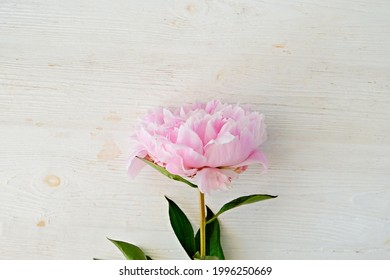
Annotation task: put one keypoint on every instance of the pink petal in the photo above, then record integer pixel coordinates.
(135, 165)
(212, 179)
(191, 159)
(176, 166)
(212, 129)
(219, 155)
(229, 150)
(212, 106)
(255, 157)
(188, 137)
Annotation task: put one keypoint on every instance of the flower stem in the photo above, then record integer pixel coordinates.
(202, 228)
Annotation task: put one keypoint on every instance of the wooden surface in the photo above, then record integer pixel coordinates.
(76, 75)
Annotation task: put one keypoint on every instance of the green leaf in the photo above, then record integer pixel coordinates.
(182, 228)
(213, 238)
(243, 200)
(130, 251)
(168, 174)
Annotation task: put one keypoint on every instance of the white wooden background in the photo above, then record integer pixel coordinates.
(76, 75)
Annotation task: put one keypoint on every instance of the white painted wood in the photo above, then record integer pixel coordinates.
(75, 76)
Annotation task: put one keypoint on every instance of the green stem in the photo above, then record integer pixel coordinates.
(202, 225)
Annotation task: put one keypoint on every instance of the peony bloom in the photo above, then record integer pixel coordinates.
(207, 143)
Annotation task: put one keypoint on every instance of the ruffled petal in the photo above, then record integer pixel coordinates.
(189, 138)
(176, 166)
(213, 179)
(135, 165)
(256, 157)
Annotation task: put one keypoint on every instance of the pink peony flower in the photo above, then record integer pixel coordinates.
(209, 143)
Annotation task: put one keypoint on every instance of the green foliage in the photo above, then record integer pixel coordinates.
(243, 200)
(168, 174)
(213, 238)
(182, 228)
(130, 251)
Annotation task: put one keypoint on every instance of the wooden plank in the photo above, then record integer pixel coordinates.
(74, 78)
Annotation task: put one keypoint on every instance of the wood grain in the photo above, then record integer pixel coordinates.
(75, 76)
